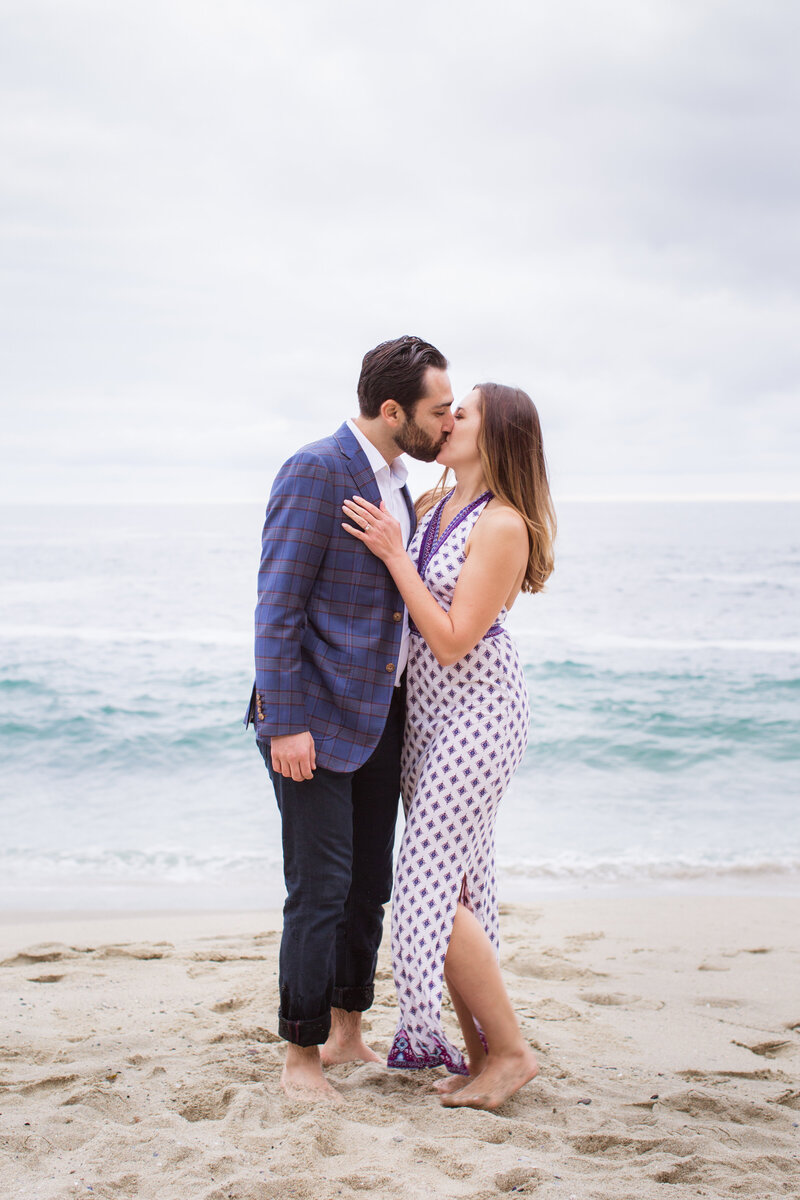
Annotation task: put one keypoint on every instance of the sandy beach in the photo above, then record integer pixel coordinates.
(139, 1059)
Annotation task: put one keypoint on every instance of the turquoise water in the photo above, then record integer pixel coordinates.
(663, 665)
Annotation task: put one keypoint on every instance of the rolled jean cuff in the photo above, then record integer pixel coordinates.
(305, 1033)
(354, 999)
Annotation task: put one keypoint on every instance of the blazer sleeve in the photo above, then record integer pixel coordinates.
(299, 524)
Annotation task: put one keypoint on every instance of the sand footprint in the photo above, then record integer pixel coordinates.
(578, 940)
(109, 1103)
(256, 1033)
(49, 1084)
(547, 965)
(139, 951)
(722, 1076)
(452, 1165)
(689, 1170)
(618, 1000)
(621, 1145)
(518, 1178)
(702, 1104)
(328, 1139)
(549, 1009)
(231, 1005)
(47, 952)
(767, 1049)
(203, 1106)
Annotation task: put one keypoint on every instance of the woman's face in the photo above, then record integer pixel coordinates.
(461, 447)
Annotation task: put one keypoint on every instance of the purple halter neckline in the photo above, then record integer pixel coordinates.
(430, 543)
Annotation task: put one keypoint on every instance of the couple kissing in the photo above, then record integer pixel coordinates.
(384, 669)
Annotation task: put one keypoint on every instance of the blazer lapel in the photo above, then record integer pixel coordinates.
(364, 478)
(358, 465)
(411, 511)
(363, 475)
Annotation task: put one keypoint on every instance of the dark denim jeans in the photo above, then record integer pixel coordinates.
(338, 837)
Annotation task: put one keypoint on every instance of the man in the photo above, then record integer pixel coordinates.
(331, 642)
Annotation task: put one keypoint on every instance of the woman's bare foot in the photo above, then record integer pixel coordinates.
(499, 1079)
(453, 1083)
(302, 1077)
(345, 1042)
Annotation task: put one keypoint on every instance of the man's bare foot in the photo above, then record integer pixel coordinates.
(345, 1042)
(302, 1077)
(500, 1078)
(355, 1050)
(452, 1083)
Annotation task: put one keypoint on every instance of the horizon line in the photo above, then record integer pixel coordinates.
(566, 498)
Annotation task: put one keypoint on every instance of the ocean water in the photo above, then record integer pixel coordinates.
(663, 664)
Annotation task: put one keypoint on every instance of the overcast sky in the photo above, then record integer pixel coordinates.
(209, 211)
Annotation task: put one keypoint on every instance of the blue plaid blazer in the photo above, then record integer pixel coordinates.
(328, 621)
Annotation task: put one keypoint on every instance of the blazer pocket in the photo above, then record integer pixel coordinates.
(325, 668)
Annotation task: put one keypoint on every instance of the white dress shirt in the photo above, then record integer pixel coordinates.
(390, 481)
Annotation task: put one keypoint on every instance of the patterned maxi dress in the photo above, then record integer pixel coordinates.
(466, 731)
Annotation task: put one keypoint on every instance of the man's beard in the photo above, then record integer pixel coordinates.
(414, 441)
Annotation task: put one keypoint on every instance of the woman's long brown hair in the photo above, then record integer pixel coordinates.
(514, 467)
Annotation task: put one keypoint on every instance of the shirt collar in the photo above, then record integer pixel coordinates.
(398, 471)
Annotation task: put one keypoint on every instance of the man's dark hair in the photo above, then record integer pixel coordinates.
(395, 371)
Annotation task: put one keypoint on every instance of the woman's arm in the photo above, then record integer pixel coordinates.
(497, 555)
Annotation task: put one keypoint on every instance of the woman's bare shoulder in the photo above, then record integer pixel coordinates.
(499, 530)
(501, 519)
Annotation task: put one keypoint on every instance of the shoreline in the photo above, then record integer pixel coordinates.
(612, 896)
(113, 899)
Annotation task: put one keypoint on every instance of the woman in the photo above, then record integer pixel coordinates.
(476, 547)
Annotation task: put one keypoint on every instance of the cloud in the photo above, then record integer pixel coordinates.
(210, 212)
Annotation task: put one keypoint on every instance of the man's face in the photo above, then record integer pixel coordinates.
(423, 434)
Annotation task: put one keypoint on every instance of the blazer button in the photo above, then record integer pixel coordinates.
(390, 666)
(397, 616)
